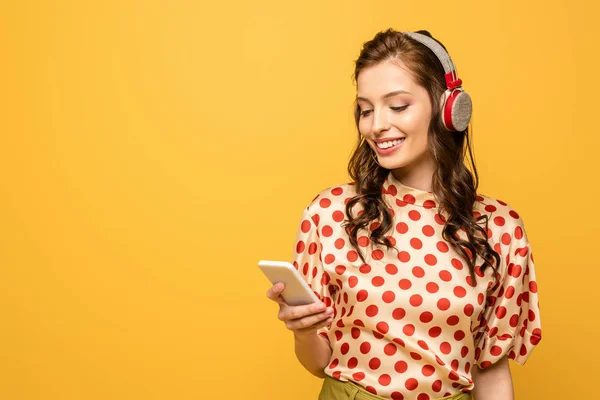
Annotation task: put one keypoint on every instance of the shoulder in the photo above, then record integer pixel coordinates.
(504, 221)
(330, 201)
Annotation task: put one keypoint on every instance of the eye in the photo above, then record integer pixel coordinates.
(364, 113)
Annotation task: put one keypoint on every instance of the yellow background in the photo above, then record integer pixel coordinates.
(153, 151)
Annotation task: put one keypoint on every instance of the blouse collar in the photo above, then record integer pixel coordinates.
(405, 195)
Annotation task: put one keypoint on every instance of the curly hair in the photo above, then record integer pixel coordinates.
(453, 183)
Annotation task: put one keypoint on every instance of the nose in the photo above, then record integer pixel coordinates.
(380, 121)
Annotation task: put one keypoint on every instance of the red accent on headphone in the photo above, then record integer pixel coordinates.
(448, 110)
(452, 83)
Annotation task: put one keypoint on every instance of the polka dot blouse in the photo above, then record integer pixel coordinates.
(409, 325)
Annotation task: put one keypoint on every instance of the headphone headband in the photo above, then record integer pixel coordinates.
(452, 81)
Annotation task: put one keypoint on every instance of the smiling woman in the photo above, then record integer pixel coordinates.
(432, 285)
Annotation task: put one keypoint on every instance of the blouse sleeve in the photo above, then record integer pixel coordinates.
(306, 258)
(511, 318)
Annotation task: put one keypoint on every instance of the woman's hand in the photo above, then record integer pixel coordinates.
(302, 320)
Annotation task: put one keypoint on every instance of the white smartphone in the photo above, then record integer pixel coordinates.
(296, 292)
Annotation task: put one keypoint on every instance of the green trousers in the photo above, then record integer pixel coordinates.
(334, 389)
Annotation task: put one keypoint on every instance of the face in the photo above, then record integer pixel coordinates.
(387, 115)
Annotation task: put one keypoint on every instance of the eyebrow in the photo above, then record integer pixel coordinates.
(385, 96)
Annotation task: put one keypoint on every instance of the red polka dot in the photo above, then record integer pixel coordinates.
(374, 363)
(460, 291)
(436, 386)
(352, 281)
(459, 335)
(325, 202)
(443, 304)
(382, 327)
(500, 312)
(362, 295)
(414, 215)
(428, 230)
(518, 233)
(377, 281)
(377, 254)
(352, 362)
(352, 256)
(408, 329)
(452, 320)
(469, 310)
(442, 247)
(454, 364)
(403, 256)
(363, 241)
(432, 287)
(300, 247)
(385, 380)
(327, 231)
(398, 313)
(416, 300)
(391, 269)
(372, 310)
(344, 348)
(390, 349)
(426, 317)
(388, 296)
(401, 367)
(445, 348)
(533, 287)
(499, 221)
(427, 370)
(445, 275)
(401, 227)
(495, 351)
(404, 284)
(430, 259)
(435, 331)
(358, 376)
(456, 264)
(411, 384)
(365, 347)
(416, 243)
(418, 272)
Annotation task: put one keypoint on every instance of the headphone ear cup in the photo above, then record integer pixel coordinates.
(456, 109)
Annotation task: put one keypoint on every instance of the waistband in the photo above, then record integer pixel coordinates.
(357, 392)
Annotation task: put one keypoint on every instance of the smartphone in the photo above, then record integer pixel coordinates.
(296, 292)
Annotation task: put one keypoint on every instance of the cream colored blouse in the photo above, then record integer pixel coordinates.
(410, 325)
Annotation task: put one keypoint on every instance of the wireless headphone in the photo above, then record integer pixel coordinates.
(456, 103)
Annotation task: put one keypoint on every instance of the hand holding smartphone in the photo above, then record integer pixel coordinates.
(299, 307)
(296, 292)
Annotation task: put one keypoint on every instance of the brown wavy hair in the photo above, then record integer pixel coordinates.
(453, 183)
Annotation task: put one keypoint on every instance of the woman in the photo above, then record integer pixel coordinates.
(427, 287)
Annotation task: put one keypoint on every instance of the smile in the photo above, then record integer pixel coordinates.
(389, 147)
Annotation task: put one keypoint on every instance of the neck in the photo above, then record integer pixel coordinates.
(419, 176)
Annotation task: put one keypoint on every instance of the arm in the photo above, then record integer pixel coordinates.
(493, 382)
(313, 351)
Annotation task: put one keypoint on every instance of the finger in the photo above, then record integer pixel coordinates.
(307, 321)
(296, 312)
(321, 324)
(274, 292)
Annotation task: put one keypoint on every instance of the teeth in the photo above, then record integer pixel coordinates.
(386, 145)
